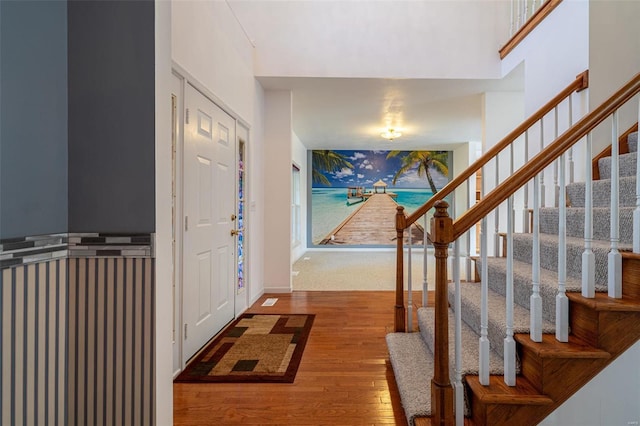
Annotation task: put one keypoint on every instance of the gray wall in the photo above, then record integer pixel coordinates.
(33, 118)
(111, 116)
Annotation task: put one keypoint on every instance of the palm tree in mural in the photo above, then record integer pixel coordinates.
(423, 161)
(325, 161)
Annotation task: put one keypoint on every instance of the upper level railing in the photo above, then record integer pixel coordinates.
(445, 230)
(525, 16)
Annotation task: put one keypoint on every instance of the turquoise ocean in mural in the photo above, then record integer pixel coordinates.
(330, 208)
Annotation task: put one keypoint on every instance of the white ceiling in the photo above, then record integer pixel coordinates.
(336, 113)
(350, 113)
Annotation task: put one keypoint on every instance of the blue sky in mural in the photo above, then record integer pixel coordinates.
(371, 166)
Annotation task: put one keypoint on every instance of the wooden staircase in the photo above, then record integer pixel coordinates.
(601, 329)
(549, 371)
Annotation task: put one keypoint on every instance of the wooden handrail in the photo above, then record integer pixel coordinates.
(580, 83)
(538, 163)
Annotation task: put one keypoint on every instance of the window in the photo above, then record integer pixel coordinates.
(296, 230)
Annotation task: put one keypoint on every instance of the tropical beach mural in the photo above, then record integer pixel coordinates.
(370, 183)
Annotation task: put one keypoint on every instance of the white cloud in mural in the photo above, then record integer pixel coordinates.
(360, 176)
(369, 167)
(357, 156)
(364, 164)
(343, 173)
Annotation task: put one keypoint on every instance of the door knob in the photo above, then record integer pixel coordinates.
(235, 232)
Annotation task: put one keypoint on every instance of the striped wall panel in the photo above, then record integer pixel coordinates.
(111, 362)
(33, 343)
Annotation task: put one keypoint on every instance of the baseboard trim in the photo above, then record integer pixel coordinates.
(277, 290)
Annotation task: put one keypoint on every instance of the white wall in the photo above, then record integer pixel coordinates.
(610, 398)
(163, 254)
(278, 135)
(614, 58)
(553, 54)
(501, 113)
(299, 156)
(368, 38)
(211, 46)
(256, 199)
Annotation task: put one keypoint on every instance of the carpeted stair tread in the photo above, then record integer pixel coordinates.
(412, 364)
(497, 327)
(426, 322)
(627, 165)
(632, 141)
(602, 192)
(523, 284)
(601, 222)
(523, 252)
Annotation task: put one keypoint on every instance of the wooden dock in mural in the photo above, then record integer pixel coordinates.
(373, 223)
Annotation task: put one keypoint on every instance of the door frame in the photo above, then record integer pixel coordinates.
(241, 128)
(178, 226)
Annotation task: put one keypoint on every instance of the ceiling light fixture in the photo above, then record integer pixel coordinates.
(391, 134)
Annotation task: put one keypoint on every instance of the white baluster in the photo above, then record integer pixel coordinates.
(496, 234)
(543, 189)
(555, 163)
(562, 303)
(459, 388)
(425, 284)
(535, 301)
(484, 346)
(571, 167)
(509, 343)
(468, 238)
(636, 211)
(409, 289)
(615, 259)
(588, 258)
(525, 210)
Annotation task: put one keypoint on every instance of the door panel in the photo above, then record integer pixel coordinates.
(209, 204)
(204, 287)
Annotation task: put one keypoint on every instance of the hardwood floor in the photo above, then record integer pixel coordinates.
(344, 378)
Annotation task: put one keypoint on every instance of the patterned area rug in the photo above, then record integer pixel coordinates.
(255, 348)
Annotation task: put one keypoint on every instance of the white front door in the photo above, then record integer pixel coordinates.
(209, 209)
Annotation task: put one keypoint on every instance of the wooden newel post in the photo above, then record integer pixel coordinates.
(400, 313)
(441, 390)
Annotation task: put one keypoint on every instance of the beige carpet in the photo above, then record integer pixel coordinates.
(355, 270)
